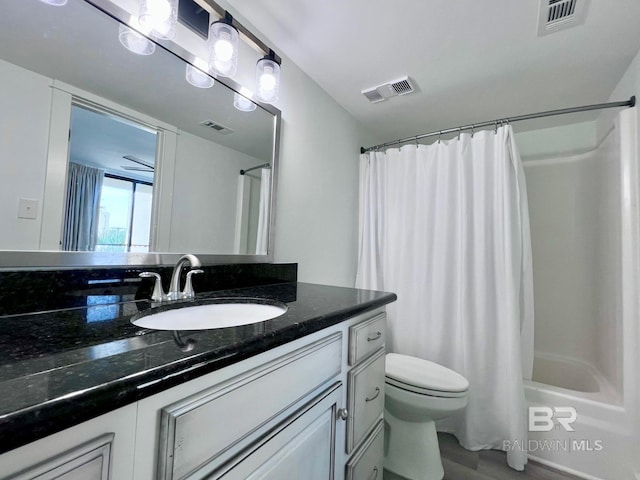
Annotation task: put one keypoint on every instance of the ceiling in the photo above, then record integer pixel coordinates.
(102, 141)
(471, 60)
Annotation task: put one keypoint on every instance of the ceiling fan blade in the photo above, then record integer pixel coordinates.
(137, 169)
(133, 159)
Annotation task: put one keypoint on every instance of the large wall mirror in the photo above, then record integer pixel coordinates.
(113, 158)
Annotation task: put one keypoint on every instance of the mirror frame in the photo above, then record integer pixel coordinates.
(59, 260)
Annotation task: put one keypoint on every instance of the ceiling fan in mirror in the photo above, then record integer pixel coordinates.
(142, 166)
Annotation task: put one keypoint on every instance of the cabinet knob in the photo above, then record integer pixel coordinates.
(343, 413)
(374, 474)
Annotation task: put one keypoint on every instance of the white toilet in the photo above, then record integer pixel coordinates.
(418, 392)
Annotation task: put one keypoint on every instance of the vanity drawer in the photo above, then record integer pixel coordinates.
(198, 429)
(366, 337)
(365, 385)
(366, 463)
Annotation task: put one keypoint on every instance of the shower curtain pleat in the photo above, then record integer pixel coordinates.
(446, 227)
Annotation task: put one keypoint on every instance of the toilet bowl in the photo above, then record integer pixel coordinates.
(417, 393)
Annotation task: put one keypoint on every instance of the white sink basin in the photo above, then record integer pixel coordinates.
(221, 314)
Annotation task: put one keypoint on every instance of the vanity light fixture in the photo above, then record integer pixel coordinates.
(242, 103)
(268, 78)
(135, 42)
(223, 46)
(197, 77)
(57, 3)
(159, 18)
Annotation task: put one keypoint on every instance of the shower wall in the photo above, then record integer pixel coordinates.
(574, 206)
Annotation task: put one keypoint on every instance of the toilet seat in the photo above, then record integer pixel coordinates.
(424, 377)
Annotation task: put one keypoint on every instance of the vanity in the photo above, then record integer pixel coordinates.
(297, 396)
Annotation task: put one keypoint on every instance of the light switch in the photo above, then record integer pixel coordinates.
(28, 208)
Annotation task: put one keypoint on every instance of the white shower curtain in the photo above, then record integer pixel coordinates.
(446, 228)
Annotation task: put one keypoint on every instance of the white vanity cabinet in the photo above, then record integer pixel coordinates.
(309, 409)
(99, 449)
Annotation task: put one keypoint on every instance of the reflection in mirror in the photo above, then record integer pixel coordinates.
(109, 183)
(109, 151)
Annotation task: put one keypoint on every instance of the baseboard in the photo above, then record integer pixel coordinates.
(562, 468)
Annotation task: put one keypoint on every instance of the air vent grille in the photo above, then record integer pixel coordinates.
(559, 9)
(558, 15)
(402, 86)
(221, 129)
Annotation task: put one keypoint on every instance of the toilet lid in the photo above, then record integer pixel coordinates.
(423, 376)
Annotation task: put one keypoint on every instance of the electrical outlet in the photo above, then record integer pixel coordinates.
(28, 208)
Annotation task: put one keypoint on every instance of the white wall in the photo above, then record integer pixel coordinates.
(317, 204)
(317, 208)
(205, 186)
(562, 140)
(25, 98)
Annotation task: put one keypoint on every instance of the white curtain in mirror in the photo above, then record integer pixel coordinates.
(262, 242)
(446, 227)
(82, 212)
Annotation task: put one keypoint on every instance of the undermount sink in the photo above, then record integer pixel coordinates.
(218, 313)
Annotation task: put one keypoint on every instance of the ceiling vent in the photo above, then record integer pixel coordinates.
(221, 129)
(402, 86)
(556, 15)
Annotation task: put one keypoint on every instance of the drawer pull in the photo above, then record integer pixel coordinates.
(375, 337)
(374, 474)
(375, 395)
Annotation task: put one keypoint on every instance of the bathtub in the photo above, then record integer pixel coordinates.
(601, 437)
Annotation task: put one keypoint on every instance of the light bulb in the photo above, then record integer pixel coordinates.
(223, 50)
(135, 42)
(242, 103)
(57, 3)
(159, 10)
(198, 78)
(268, 79)
(159, 17)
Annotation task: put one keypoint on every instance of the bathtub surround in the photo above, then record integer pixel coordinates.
(446, 227)
(584, 221)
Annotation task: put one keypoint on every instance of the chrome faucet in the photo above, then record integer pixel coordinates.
(174, 293)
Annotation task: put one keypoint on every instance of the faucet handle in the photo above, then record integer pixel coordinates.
(158, 293)
(188, 285)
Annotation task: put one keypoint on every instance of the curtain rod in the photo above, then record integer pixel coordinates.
(627, 103)
(264, 165)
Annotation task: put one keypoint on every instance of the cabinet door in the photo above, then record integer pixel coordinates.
(90, 461)
(303, 447)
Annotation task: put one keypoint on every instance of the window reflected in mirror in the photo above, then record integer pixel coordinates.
(109, 198)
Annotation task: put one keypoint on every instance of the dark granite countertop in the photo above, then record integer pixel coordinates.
(62, 367)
